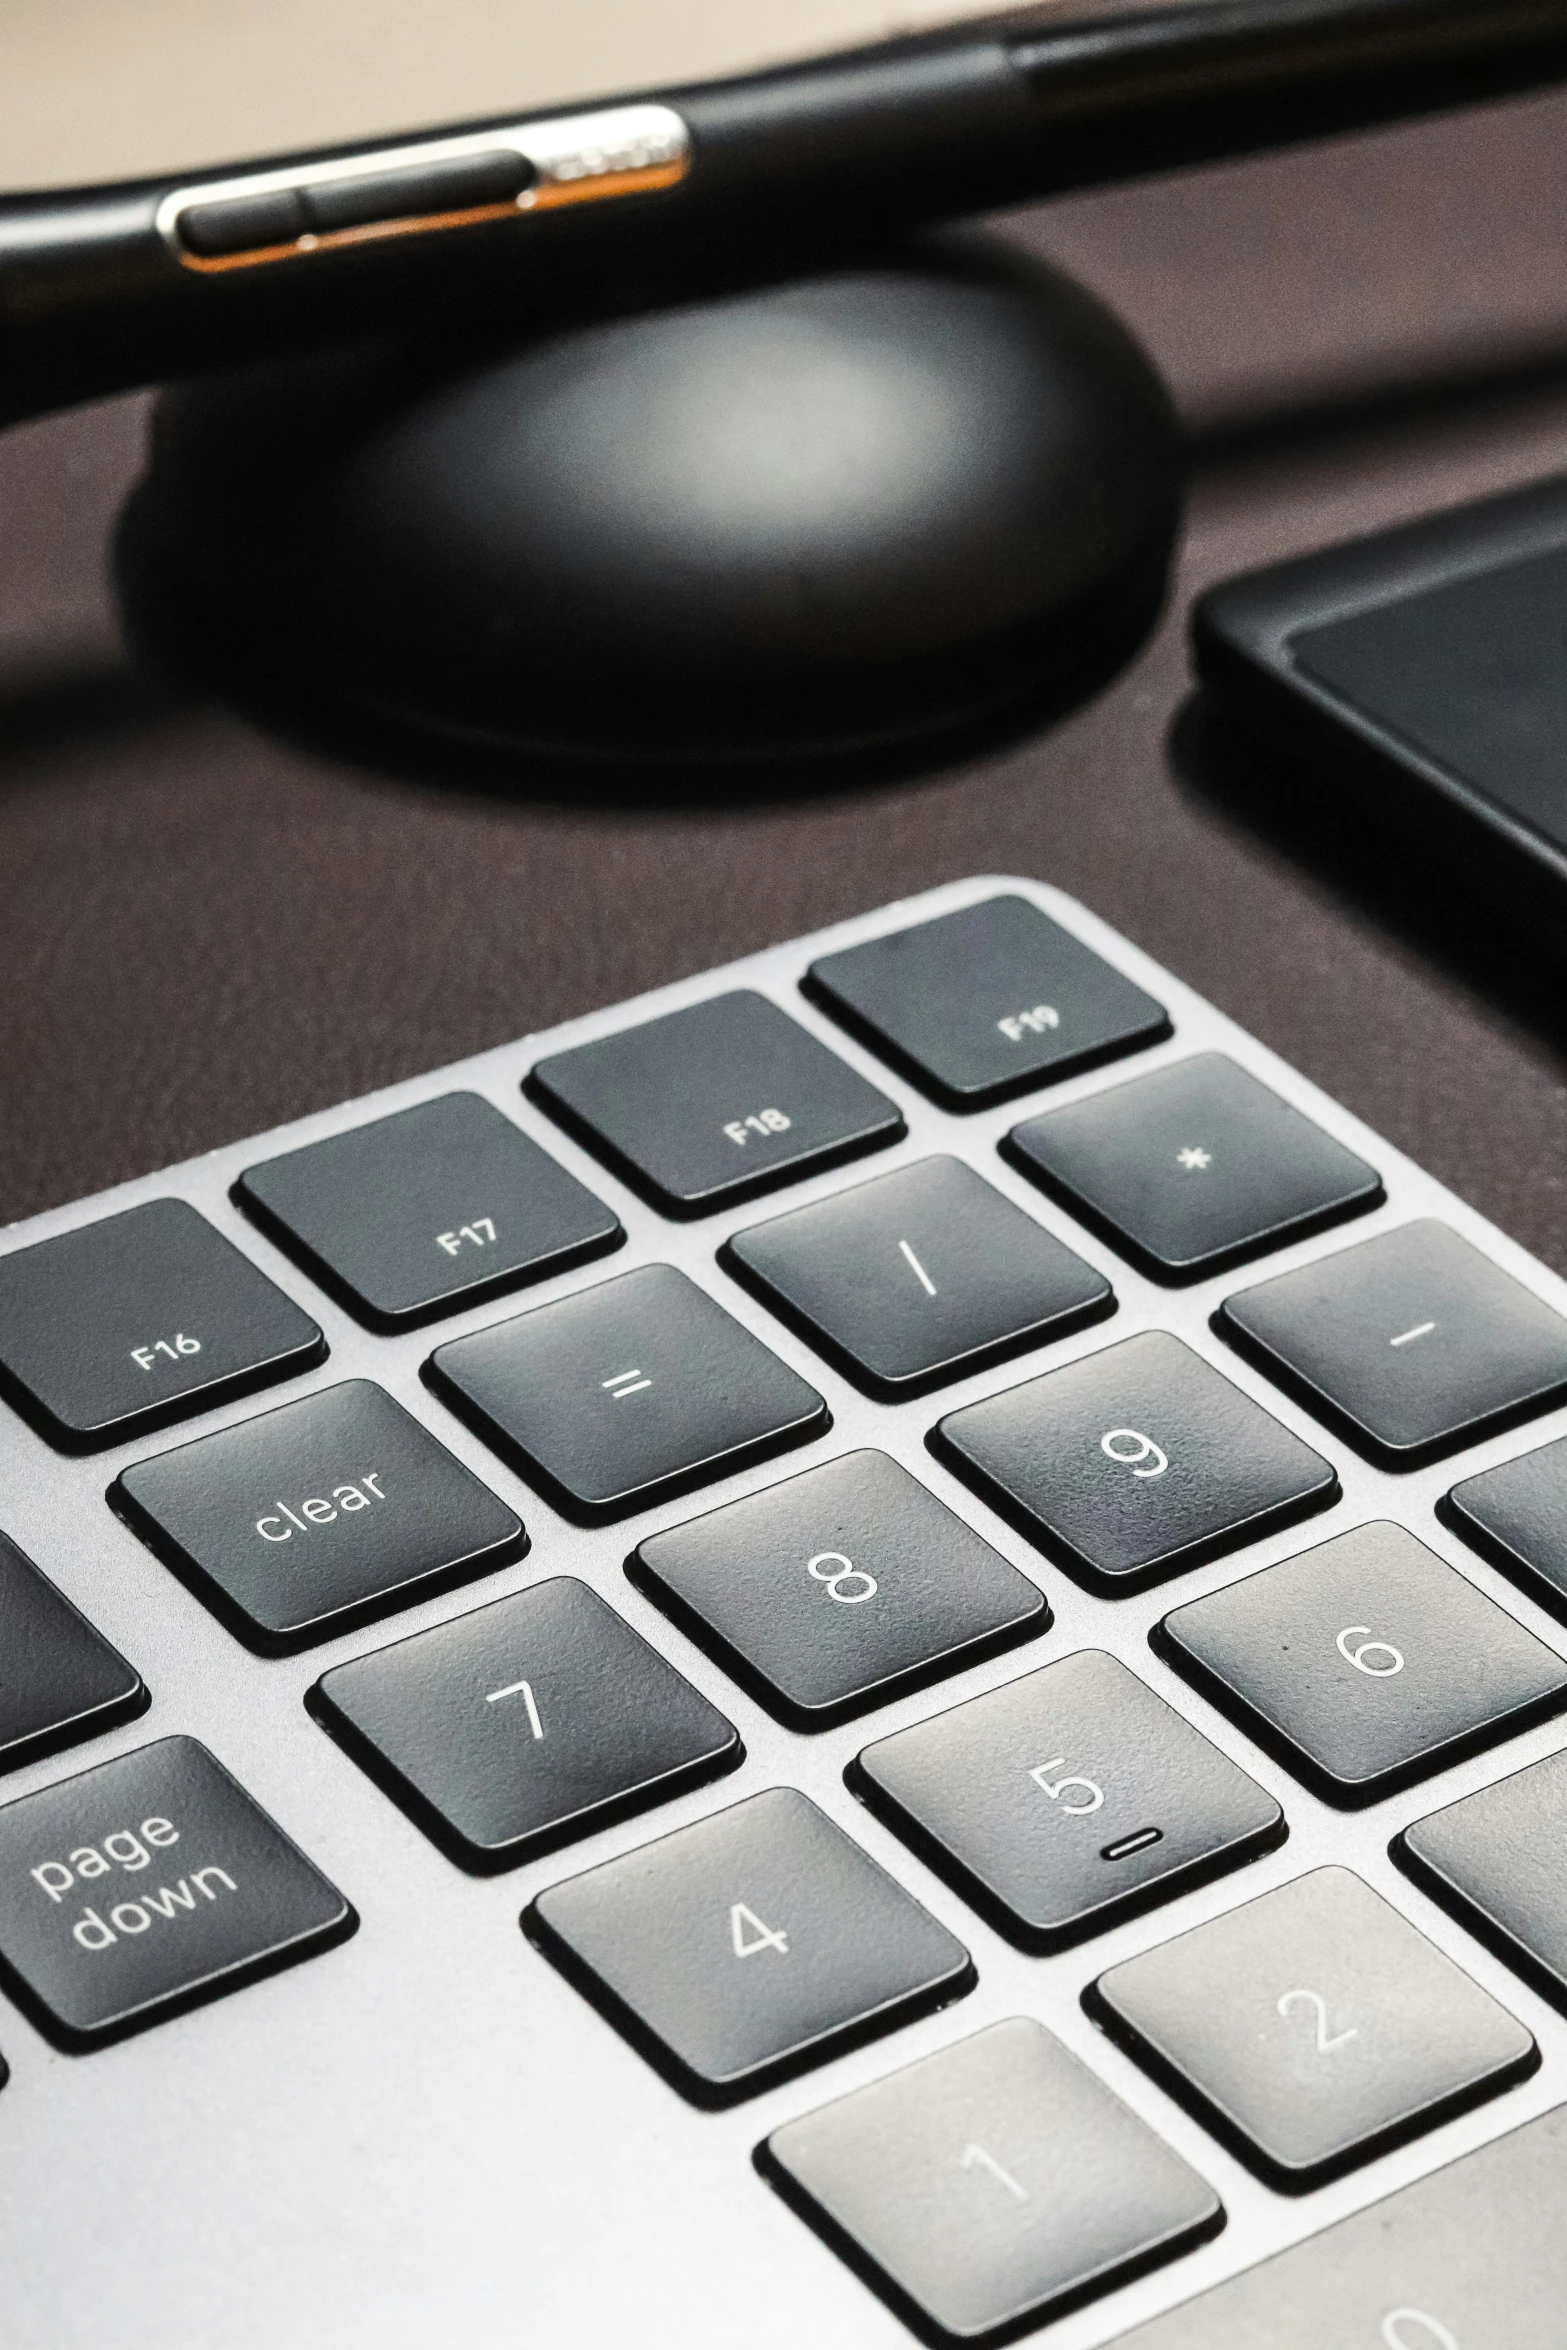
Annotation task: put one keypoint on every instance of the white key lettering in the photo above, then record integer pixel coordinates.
(1377, 1658)
(172, 1348)
(760, 1122)
(1432, 2334)
(1056, 1789)
(283, 1521)
(1326, 2042)
(748, 1935)
(1134, 1451)
(523, 1690)
(1017, 1026)
(841, 1570)
(479, 1234)
(920, 1274)
(975, 2158)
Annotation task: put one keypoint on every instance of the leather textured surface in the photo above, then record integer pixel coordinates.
(204, 931)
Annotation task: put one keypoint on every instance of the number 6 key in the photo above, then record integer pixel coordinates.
(1365, 1663)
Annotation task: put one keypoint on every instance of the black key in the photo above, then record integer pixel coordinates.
(1135, 1463)
(136, 1889)
(455, 183)
(918, 1276)
(1365, 1663)
(991, 2184)
(1067, 1800)
(621, 1394)
(427, 1211)
(1516, 1516)
(532, 1721)
(60, 1681)
(744, 1948)
(839, 1590)
(1411, 1343)
(1313, 2028)
(986, 1002)
(140, 1319)
(316, 1516)
(244, 224)
(1473, 2256)
(1494, 1859)
(1194, 1167)
(709, 1105)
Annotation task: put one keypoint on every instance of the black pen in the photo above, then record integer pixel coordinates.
(107, 287)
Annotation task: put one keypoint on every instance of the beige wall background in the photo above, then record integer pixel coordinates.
(115, 89)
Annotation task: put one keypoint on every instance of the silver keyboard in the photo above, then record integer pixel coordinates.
(435, 2128)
